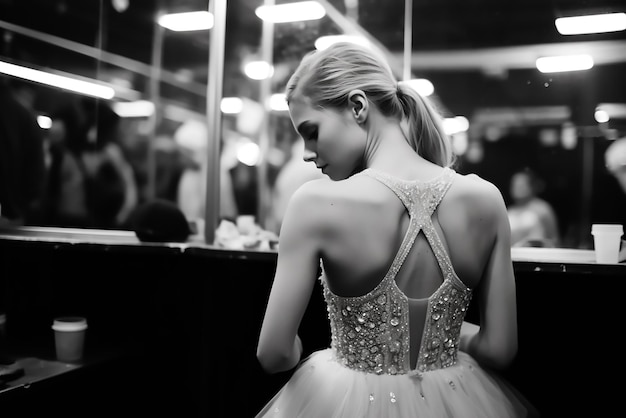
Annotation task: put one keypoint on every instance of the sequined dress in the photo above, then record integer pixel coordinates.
(366, 372)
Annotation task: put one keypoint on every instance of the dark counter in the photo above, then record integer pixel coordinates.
(186, 317)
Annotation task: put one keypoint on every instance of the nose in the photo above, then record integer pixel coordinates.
(308, 155)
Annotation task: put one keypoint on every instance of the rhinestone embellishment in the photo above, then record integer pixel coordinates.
(370, 333)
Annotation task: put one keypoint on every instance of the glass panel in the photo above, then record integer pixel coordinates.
(479, 57)
(105, 156)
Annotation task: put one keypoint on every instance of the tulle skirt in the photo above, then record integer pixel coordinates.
(322, 387)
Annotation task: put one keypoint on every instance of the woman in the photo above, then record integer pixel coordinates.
(533, 220)
(403, 242)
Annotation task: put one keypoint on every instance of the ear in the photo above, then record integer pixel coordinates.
(358, 105)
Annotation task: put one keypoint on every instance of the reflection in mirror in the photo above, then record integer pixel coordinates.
(521, 117)
(104, 153)
(150, 139)
(505, 113)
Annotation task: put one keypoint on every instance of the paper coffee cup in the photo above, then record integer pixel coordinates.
(69, 338)
(606, 241)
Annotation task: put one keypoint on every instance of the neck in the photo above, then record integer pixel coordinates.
(387, 148)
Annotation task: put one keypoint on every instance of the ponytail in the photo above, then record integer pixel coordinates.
(425, 128)
(326, 78)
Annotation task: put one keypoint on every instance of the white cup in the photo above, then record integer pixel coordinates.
(69, 338)
(245, 224)
(607, 240)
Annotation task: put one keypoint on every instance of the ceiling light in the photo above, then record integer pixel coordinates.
(423, 86)
(324, 42)
(44, 122)
(600, 23)
(67, 83)
(569, 135)
(134, 109)
(278, 102)
(460, 143)
(601, 116)
(613, 110)
(291, 12)
(188, 21)
(564, 63)
(248, 153)
(120, 6)
(231, 105)
(455, 125)
(258, 70)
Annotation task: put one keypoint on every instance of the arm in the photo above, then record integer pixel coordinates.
(130, 186)
(494, 343)
(279, 347)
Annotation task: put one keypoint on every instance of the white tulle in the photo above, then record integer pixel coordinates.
(323, 388)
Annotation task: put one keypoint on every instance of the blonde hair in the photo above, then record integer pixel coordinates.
(327, 77)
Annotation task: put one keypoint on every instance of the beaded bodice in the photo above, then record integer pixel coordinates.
(371, 332)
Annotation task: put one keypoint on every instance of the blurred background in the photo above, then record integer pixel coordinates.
(159, 110)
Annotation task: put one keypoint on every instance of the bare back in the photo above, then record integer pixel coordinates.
(368, 222)
(369, 236)
(418, 264)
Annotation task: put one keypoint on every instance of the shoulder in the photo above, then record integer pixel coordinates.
(477, 191)
(322, 204)
(315, 197)
(323, 190)
(307, 218)
(308, 205)
(475, 201)
(312, 191)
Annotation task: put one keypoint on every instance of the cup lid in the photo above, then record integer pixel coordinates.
(69, 323)
(607, 228)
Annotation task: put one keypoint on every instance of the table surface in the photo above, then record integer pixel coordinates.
(36, 370)
(128, 238)
(553, 255)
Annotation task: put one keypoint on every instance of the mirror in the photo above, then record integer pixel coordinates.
(479, 58)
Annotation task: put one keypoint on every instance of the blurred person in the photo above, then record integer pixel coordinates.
(402, 242)
(171, 161)
(107, 164)
(92, 184)
(291, 176)
(192, 136)
(22, 161)
(615, 161)
(533, 220)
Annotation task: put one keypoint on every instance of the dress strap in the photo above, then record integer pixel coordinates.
(421, 199)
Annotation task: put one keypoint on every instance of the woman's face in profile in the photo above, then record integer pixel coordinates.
(332, 138)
